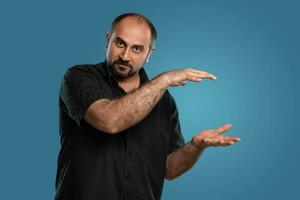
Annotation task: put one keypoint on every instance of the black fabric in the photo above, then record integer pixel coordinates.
(94, 165)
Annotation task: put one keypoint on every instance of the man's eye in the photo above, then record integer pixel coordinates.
(136, 49)
(120, 44)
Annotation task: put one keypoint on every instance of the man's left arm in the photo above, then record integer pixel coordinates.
(185, 157)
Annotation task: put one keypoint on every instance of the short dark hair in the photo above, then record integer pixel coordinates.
(140, 18)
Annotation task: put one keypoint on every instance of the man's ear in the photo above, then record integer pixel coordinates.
(107, 40)
(149, 54)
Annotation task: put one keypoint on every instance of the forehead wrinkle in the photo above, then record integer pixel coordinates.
(133, 34)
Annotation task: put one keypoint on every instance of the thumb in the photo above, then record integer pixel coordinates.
(223, 128)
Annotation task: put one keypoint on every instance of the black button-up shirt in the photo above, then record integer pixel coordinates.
(94, 165)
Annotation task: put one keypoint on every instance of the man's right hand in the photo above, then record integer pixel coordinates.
(115, 115)
(181, 76)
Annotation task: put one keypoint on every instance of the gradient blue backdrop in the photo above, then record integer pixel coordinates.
(251, 46)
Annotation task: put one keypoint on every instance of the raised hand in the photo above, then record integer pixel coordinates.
(180, 76)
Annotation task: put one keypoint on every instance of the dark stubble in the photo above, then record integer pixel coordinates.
(117, 74)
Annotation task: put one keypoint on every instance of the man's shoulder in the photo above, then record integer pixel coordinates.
(86, 67)
(85, 70)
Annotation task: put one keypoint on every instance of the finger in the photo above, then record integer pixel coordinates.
(197, 71)
(236, 139)
(223, 129)
(219, 142)
(227, 143)
(212, 142)
(224, 143)
(194, 78)
(203, 74)
(228, 138)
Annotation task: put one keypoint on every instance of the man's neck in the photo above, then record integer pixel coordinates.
(131, 83)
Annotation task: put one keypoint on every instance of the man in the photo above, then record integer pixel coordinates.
(120, 131)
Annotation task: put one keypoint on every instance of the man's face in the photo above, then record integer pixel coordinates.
(128, 47)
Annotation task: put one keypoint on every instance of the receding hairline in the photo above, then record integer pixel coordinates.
(137, 19)
(140, 19)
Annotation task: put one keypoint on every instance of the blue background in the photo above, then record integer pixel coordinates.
(251, 46)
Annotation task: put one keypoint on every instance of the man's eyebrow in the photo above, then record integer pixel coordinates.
(120, 39)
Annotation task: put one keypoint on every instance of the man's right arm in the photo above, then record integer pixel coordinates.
(114, 116)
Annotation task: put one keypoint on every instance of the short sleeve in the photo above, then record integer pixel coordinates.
(176, 139)
(79, 89)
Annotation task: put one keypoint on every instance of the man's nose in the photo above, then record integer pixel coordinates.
(125, 54)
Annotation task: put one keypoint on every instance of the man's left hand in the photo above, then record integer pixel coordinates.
(213, 137)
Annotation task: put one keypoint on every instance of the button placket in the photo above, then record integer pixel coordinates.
(127, 171)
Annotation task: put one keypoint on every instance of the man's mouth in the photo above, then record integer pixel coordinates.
(123, 67)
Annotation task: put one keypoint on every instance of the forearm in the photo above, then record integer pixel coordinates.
(182, 160)
(128, 110)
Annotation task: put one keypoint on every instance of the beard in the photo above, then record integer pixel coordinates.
(121, 70)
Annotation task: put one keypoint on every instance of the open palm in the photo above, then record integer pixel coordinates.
(213, 137)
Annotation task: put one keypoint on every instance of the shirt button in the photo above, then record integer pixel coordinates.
(129, 153)
(127, 175)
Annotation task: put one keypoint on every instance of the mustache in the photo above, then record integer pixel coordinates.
(121, 62)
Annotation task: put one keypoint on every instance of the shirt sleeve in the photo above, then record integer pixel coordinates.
(79, 89)
(176, 138)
